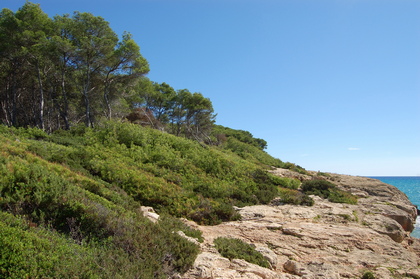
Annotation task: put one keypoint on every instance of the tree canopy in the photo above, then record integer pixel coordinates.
(58, 72)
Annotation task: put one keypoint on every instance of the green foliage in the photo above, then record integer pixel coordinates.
(327, 190)
(240, 135)
(250, 152)
(290, 196)
(285, 182)
(80, 210)
(212, 212)
(318, 187)
(340, 196)
(85, 186)
(368, 275)
(294, 167)
(39, 253)
(164, 171)
(233, 248)
(175, 225)
(323, 174)
(62, 55)
(140, 250)
(174, 174)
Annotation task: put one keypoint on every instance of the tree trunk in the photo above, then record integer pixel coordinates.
(14, 101)
(86, 99)
(87, 108)
(65, 110)
(41, 99)
(108, 112)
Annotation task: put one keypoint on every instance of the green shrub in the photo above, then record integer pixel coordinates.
(210, 212)
(368, 275)
(294, 167)
(161, 170)
(81, 190)
(317, 187)
(319, 173)
(233, 248)
(285, 182)
(290, 196)
(240, 135)
(39, 253)
(251, 153)
(172, 224)
(33, 133)
(327, 190)
(339, 196)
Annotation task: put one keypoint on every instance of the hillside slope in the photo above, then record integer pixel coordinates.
(73, 205)
(71, 201)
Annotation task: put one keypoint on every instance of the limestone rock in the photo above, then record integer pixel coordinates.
(150, 213)
(324, 241)
(269, 255)
(191, 239)
(211, 265)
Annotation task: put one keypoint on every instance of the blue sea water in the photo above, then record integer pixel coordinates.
(410, 185)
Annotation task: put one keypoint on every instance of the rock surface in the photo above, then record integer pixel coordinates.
(327, 240)
(150, 213)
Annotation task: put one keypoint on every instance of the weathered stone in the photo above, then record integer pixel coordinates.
(191, 239)
(269, 255)
(150, 213)
(387, 226)
(324, 241)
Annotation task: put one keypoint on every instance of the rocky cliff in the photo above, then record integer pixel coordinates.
(327, 240)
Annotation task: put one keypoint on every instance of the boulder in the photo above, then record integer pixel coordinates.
(150, 213)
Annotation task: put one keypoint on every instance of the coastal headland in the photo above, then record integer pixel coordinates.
(326, 240)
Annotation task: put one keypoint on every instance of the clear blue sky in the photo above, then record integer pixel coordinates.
(331, 85)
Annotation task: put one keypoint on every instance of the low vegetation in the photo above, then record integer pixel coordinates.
(233, 248)
(60, 223)
(368, 275)
(70, 200)
(327, 190)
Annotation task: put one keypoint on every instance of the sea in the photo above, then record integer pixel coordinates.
(410, 185)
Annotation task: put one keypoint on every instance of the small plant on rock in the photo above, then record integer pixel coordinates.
(327, 190)
(368, 275)
(233, 248)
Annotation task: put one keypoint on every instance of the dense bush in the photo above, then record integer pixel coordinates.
(77, 225)
(290, 196)
(368, 275)
(318, 187)
(170, 173)
(294, 167)
(82, 189)
(233, 248)
(221, 132)
(38, 253)
(327, 190)
(285, 182)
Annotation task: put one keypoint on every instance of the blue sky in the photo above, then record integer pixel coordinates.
(331, 85)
